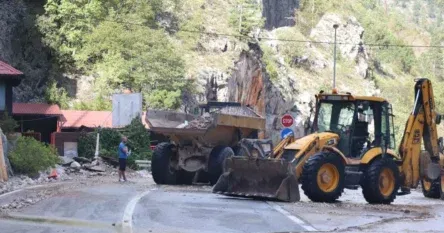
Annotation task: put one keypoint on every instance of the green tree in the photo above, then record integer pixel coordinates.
(135, 57)
(119, 42)
(57, 95)
(66, 22)
(246, 16)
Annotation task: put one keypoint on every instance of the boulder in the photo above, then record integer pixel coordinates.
(75, 165)
(65, 161)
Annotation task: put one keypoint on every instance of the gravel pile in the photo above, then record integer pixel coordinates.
(239, 111)
(202, 122)
(205, 121)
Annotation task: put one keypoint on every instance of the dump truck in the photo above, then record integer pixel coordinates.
(199, 143)
(352, 145)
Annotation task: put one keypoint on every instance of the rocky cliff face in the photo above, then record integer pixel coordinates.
(250, 84)
(349, 37)
(279, 13)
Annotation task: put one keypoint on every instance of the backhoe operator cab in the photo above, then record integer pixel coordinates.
(362, 123)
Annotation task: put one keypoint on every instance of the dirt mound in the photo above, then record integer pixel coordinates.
(202, 122)
(239, 111)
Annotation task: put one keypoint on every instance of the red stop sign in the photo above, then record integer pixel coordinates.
(287, 120)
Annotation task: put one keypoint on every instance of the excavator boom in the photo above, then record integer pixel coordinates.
(421, 125)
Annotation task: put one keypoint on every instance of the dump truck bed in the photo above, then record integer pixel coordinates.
(215, 128)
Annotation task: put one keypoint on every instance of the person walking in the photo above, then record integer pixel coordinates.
(123, 156)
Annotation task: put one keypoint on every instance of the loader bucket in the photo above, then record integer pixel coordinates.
(258, 178)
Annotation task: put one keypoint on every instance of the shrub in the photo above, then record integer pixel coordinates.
(31, 156)
(86, 145)
(138, 142)
(7, 123)
(270, 63)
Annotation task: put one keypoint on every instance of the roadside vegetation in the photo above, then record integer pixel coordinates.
(30, 156)
(138, 142)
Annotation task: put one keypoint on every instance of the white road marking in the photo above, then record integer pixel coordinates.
(293, 218)
(127, 220)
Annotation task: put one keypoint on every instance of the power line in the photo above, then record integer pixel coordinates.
(288, 40)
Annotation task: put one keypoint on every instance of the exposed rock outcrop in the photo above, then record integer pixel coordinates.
(349, 38)
(251, 85)
(349, 33)
(211, 85)
(279, 13)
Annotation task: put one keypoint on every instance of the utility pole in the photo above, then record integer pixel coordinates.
(335, 26)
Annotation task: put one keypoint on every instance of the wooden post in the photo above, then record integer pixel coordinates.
(3, 169)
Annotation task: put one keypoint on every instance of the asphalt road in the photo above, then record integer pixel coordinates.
(129, 208)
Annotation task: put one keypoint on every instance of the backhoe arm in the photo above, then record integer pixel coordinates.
(421, 123)
(279, 149)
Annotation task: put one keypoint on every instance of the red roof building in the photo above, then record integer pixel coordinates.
(8, 71)
(89, 119)
(9, 78)
(42, 119)
(36, 109)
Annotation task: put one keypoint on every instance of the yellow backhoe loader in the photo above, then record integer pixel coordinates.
(352, 144)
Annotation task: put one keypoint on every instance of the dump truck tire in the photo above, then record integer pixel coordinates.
(323, 178)
(431, 188)
(161, 170)
(216, 160)
(381, 182)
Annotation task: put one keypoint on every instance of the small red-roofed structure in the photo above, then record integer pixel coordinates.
(9, 78)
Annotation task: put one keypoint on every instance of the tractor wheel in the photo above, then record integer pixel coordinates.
(323, 178)
(431, 188)
(216, 160)
(185, 177)
(380, 182)
(161, 170)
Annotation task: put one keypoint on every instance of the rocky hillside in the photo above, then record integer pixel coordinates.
(272, 55)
